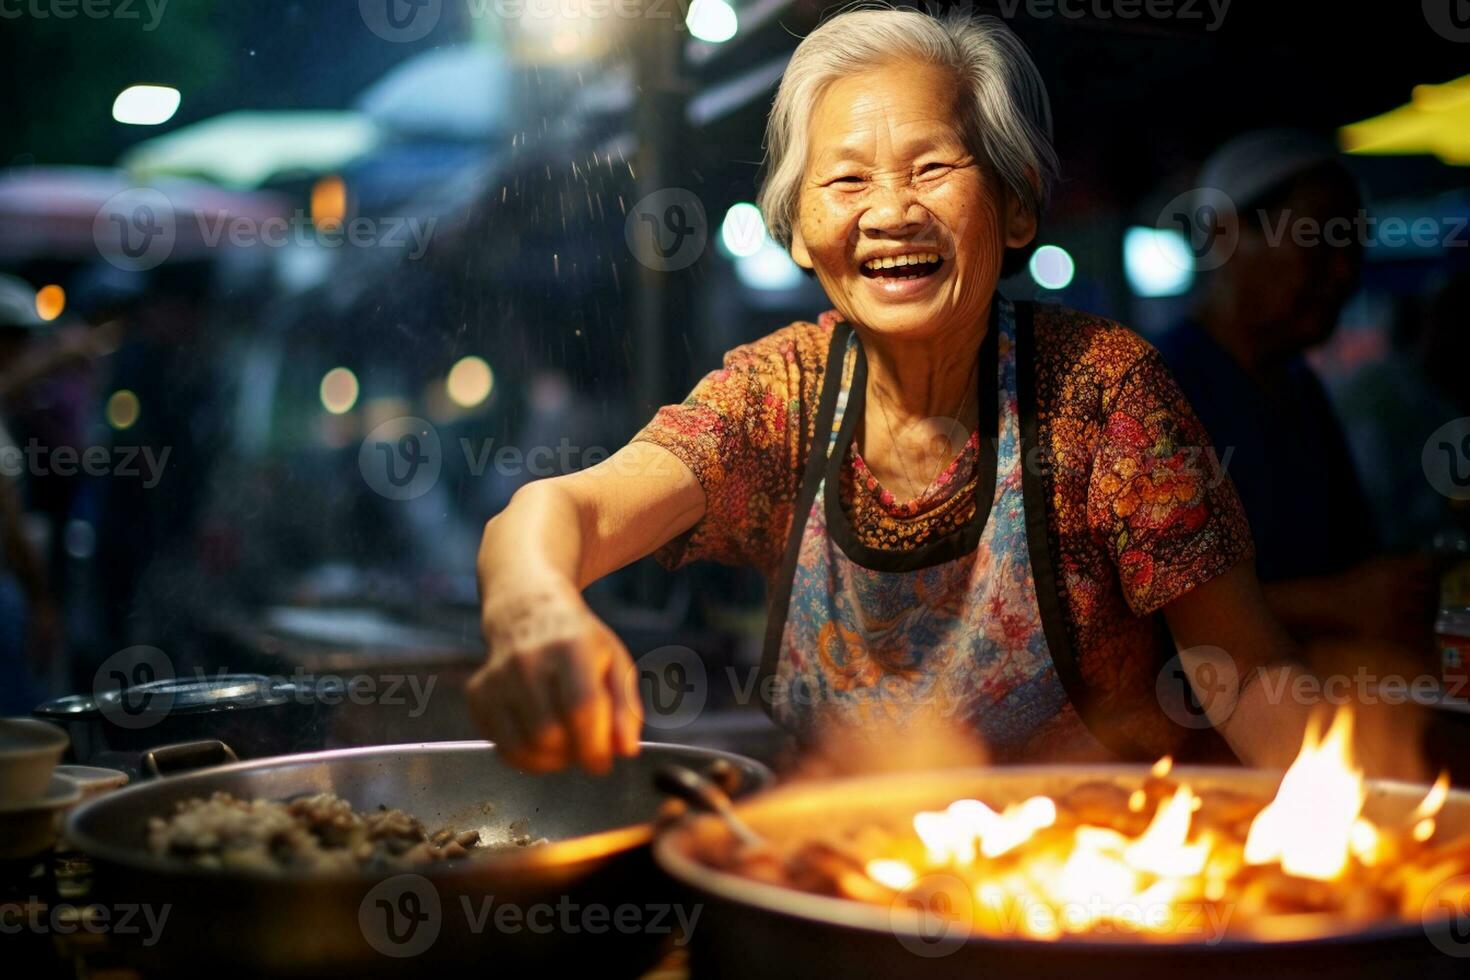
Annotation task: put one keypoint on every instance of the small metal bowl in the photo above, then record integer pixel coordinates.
(27, 829)
(29, 752)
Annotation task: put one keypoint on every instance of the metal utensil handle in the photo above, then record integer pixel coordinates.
(703, 794)
(184, 756)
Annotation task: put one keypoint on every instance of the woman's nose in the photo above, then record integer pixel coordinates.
(893, 208)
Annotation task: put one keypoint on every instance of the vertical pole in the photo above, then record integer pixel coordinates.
(660, 304)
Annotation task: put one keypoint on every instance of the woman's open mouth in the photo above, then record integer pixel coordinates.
(897, 268)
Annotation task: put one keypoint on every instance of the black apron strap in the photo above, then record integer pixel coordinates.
(806, 494)
(1048, 594)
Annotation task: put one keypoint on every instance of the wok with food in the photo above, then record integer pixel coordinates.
(271, 866)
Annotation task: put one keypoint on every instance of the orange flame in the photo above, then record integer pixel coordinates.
(1033, 877)
(1308, 827)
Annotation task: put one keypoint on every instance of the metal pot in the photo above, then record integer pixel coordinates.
(257, 716)
(750, 928)
(367, 924)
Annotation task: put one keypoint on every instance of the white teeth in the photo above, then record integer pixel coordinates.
(890, 262)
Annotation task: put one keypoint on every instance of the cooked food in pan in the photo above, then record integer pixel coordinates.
(1157, 859)
(312, 833)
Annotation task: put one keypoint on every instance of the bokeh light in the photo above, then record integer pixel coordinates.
(712, 20)
(123, 409)
(339, 390)
(1052, 267)
(50, 302)
(146, 105)
(743, 231)
(1157, 261)
(469, 382)
(769, 269)
(329, 203)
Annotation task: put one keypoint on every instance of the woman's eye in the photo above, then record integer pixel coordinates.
(850, 179)
(930, 169)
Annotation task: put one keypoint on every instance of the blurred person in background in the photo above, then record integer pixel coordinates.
(30, 622)
(147, 547)
(1241, 362)
(1390, 408)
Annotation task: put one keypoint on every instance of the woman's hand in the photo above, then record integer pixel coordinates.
(558, 687)
(1389, 599)
(1274, 694)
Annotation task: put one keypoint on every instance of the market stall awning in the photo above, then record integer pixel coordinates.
(247, 149)
(458, 93)
(70, 212)
(1436, 121)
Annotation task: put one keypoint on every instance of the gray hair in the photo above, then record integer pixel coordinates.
(1005, 114)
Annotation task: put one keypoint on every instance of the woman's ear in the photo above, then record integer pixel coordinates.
(799, 253)
(1020, 222)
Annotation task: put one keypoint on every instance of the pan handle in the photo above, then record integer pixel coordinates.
(703, 794)
(184, 756)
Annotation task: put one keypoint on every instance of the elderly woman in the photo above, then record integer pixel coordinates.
(956, 500)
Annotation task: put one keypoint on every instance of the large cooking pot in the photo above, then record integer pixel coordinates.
(592, 891)
(754, 929)
(257, 716)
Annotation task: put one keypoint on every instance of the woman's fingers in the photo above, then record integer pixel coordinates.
(534, 705)
(499, 697)
(627, 706)
(586, 708)
(559, 694)
(486, 695)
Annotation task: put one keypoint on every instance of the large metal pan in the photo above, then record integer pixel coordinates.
(750, 928)
(593, 890)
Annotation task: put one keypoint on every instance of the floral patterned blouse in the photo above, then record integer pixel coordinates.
(1138, 512)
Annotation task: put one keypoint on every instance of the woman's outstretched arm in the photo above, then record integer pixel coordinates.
(558, 686)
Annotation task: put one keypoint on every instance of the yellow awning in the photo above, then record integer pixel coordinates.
(1436, 121)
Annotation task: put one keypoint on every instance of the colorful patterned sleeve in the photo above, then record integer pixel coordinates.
(739, 433)
(1159, 494)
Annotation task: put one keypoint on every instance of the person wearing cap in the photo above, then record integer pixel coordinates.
(1290, 209)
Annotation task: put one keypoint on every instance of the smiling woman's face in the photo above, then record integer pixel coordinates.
(889, 175)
